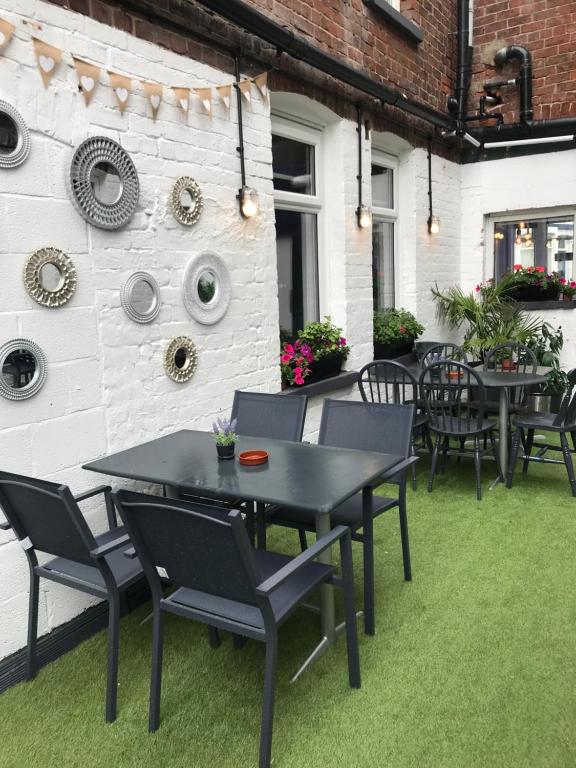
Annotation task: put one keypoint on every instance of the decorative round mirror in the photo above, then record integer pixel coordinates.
(50, 277)
(180, 359)
(207, 288)
(103, 183)
(140, 297)
(14, 137)
(22, 369)
(186, 201)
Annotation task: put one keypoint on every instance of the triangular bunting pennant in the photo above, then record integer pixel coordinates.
(261, 82)
(182, 99)
(225, 92)
(153, 93)
(48, 58)
(121, 86)
(6, 32)
(205, 96)
(88, 75)
(245, 86)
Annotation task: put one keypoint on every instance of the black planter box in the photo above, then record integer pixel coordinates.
(328, 366)
(533, 293)
(392, 350)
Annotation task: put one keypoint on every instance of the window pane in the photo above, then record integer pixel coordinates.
(382, 187)
(297, 258)
(383, 264)
(293, 166)
(547, 243)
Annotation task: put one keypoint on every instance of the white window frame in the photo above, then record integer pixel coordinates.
(312, 134)
(505, 217)
(388, 215)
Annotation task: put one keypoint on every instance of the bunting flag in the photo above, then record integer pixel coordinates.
(6, 32)
(245, 89)
(205, 96)
(225, 92)
(261, 82)
(88, 75)
(48, 58)
(121, 86)
(153, 93)
(182, 99)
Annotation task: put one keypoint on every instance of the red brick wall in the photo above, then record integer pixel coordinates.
(344, 28)
(547, 28)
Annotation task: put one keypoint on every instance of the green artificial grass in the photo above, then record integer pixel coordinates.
(473, 663)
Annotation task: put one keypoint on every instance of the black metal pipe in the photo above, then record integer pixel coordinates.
(240, 147)
(463, 65)
(430, 207)
(359, 129)
(522, 55)
(286, 41)
(534, 129)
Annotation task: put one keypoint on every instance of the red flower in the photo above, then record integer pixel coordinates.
(539, 269)
(402, 329)
(478, 288)
(517, 267)
(562, 281)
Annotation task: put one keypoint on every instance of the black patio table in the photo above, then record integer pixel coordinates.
(298, 475)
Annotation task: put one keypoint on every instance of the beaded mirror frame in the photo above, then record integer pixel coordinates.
(37, 290)
(30, 388)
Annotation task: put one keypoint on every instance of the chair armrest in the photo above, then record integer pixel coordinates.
(397, 468)
(300, 560)
(5, 525)
(111, 546)
(93, 492)
(130, 553)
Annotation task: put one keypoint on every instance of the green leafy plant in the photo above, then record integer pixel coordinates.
(536, 276)
(324, 339)
(547, 343)
(224, 433)
(393, 325)
(488, 315)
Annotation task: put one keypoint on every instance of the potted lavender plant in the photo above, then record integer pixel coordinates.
(225, 437)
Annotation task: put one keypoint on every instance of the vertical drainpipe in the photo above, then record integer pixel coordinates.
(463, 62)
(522, 55)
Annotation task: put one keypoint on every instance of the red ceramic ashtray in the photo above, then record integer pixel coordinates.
(252, 458)
(455, 374)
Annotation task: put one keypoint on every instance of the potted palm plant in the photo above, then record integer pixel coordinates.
(395, 331)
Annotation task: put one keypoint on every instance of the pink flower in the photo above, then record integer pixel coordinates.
(298, 380)
(540, 269)
(342, 341)
(562, 281)
(478, 288)
(517, 267)
(285, 359)
(402, 329)
(298, 371)
(289, 349)
(572, 284)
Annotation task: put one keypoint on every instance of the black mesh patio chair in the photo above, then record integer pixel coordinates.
(561, 423)
(223, 582)
(46, 518)
(446, 389)
(444, 351)
(383, 428)
(387, 381)
(260, 414)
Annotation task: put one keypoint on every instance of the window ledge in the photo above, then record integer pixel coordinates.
(397, 19)
(536, 306)
(343, 380)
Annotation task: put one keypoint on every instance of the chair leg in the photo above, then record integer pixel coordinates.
(303, 540)
(239, 641)
(527, 450)
(434, 463)
(445, 447)
(268, 704)
(477, 467)
(350, 612)
(32, 625)
(568, 461)
(513, 456)
(462, 441)
(428, 439)
(413, 453)
(573, 436)
(156, 677)
(250, 526)
(261, 525)
(496, 455)
(404, 538)
(113, 641)
(214, 637)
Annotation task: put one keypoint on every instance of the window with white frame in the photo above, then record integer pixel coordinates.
(296, 152)
(534, 239)
(384, 224)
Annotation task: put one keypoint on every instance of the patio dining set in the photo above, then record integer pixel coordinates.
(201, 540)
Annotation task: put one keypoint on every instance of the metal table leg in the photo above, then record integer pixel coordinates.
(503, 439)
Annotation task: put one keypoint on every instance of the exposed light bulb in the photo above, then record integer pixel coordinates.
(499, 236)
(364, 215)
(433, 225)
(248, 202)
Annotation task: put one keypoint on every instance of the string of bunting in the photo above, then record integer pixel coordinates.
(49, 58)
